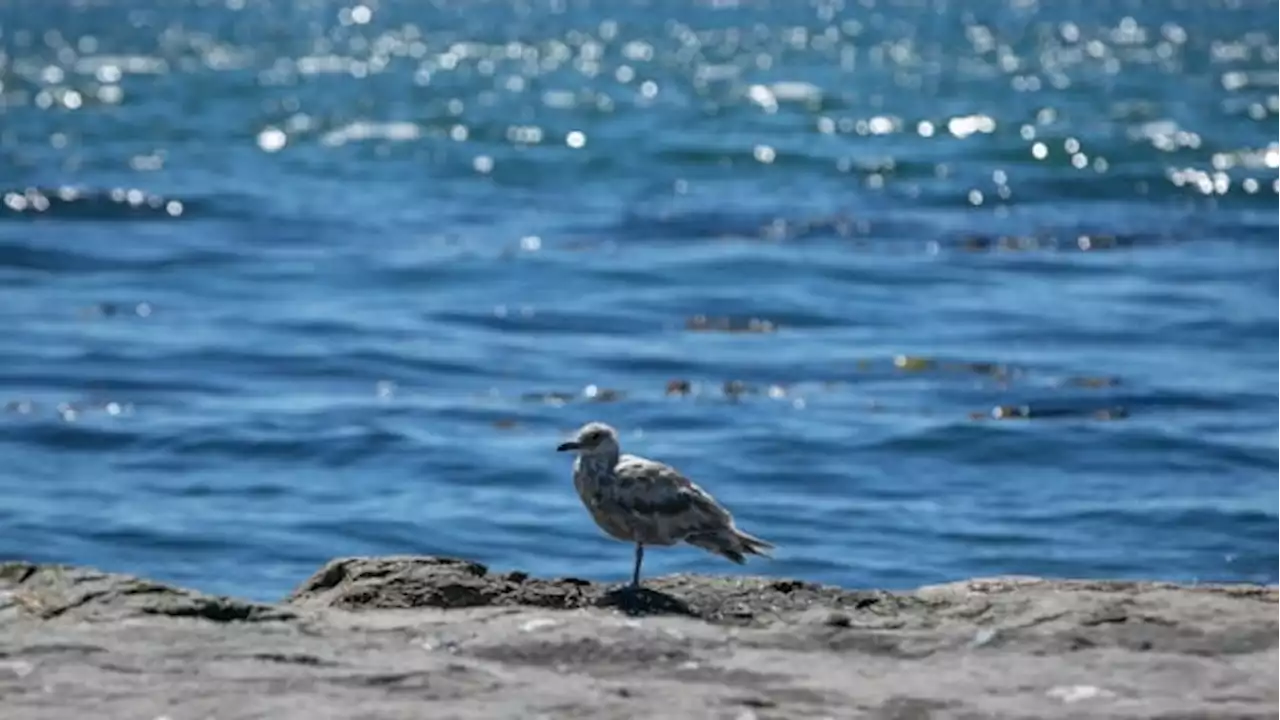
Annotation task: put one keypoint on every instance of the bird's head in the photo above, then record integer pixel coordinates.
(594, 438)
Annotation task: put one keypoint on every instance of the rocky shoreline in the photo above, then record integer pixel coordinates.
(423, 637)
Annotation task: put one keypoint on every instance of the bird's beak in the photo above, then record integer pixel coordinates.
(571, 445)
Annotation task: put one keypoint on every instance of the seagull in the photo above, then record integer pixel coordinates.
(646, 502)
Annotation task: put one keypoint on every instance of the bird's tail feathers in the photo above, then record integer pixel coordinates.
(755, 545)
(732, 543)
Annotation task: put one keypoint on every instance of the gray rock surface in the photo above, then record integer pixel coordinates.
(413, 637)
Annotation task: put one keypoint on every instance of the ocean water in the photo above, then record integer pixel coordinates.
(920, 289)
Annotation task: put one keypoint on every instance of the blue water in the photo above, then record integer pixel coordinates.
(921, 290)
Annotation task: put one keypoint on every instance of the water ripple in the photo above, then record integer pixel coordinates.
(921, 291)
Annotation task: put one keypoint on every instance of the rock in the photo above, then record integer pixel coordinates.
(411, 637)
(409, 582)
(50, 591)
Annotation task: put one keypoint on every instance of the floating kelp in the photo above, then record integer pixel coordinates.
(704, 323)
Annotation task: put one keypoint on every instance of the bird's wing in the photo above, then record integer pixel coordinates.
(660, 496)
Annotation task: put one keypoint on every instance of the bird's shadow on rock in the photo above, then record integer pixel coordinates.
(637, 601)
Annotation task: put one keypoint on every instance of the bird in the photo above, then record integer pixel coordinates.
(646, 502)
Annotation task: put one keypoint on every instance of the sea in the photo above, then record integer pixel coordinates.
(921, 290)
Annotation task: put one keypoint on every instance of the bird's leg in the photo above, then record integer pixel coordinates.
(635, 574)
